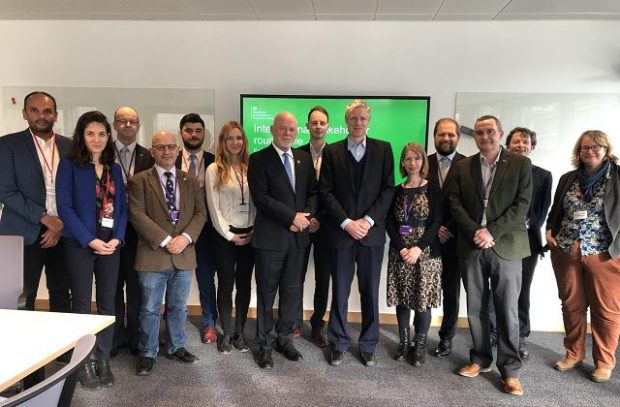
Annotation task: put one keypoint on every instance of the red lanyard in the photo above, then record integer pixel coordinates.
(49, 167)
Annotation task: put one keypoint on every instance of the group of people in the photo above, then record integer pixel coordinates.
(142, 220)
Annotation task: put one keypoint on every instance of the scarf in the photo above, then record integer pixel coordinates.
(587, 183)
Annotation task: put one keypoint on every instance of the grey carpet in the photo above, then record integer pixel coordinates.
(236, 380)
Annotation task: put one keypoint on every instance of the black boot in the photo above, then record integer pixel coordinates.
(404, 344)
(88, 377)
(106, 378)
(419, 349)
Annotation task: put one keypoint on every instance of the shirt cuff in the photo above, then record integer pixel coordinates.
(188, 237)
(345, 223)
(369, 219)
(165, 241)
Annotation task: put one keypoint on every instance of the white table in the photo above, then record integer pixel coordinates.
(32, 339)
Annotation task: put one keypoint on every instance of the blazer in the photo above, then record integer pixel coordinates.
(76, 201)
(539, 205)
(338, 195)
(433, 176)
(148, 213)
(509, 200)
(144, 159)
(611, 202)
(321, 214)
(22, 187)
(276, 202)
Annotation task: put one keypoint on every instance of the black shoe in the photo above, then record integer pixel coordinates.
(369, 358)
(264, 359)
(523, 352)
(106, 378)
(224, 346)
(239, 343)
(444, 348)
(336, 358)
(289, 351)
(182, 355)
(145, 365)
(418, 355)
(404, 344)
(88, 377)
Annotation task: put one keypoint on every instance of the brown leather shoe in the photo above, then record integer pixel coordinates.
(473, 370)
(601, 375)
(565, 364)
(209, 335)
(319, 338)
(512, 385)
(296, 332)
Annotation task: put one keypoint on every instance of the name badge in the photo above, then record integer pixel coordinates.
(243, 208)
(405, 230)
(107, 223)
(580, 215)
(174, 216)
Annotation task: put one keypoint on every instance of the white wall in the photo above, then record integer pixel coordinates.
(436, 59)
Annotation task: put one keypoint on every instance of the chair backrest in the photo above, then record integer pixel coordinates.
(12, 270)
(56, 390)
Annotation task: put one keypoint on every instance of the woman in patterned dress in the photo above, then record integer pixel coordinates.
(583, 233)
(414, 263)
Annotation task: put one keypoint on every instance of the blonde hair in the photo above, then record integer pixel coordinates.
(418, 151)
(599, 138)
(356, 104)
(223, 160)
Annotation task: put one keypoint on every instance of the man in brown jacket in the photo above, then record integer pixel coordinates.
(168, 211)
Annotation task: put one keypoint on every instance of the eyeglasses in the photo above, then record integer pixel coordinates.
(163, 147)
(595, 148)
(129, 123)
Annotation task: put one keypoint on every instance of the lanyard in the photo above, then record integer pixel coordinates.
(409, 206)
(240, 182)
(50, 167)
(126, 171)
(487, 186)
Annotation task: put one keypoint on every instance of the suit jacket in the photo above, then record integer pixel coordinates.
(276, 202)
(539, 205)
(321, 214)
(509, 200)
(433, 176)
(339, 196)
(208, 159)
(144, 159)
(22, 187)
(611, 204)
(76, 201)
(148, 214)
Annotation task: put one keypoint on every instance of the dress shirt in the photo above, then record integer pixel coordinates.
(442, 176)
(177, 199)
(488, 173)
(131, 161)
(224, 203)
(317, 158)
(291, 161)
(200, 164)
(48, 154)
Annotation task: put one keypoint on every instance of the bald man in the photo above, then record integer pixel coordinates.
(133, 158)
(168, 211)
(283, 187)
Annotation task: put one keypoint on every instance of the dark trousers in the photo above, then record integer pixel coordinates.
(205, 276)
(451, 286)
(234, 269)
(488, 277)
(368, 260)
(127, 289)
(277, 272)
(322, 272)
(82, 264)
(56, 275)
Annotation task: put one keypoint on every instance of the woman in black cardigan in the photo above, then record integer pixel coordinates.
(414, 263)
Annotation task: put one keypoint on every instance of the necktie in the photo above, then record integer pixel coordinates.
(444, 166)
(125, 158)
(192, 165)
(170, 192)
(288, 169)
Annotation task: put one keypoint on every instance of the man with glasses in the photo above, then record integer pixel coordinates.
(165, 256)
(194, 161)
(133, 158)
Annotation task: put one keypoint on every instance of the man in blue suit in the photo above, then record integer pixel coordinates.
(28, 163)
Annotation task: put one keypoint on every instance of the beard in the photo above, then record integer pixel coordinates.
(193, 144)
(42, 126)
(445, 149)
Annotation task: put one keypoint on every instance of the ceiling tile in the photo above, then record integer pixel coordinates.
(345, 7)
(215, 7)
(293, 7)
(473, 7)
(395, 7)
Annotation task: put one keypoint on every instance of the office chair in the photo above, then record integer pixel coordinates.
(12, 257)
(56, 390)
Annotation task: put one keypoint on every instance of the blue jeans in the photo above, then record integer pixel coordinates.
(176, 284)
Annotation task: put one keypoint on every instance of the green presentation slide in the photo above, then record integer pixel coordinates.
(396, 119)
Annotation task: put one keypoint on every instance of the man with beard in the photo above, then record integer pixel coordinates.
(28, 163)
(133, 158)
(194, 160)
(446, 135)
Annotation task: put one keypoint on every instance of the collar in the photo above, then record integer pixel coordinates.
(316, 153)
(484, 161)
(449, 156)
(351, 144)
(131, 147)
(161, 171)
(186, 154)
(280, 152)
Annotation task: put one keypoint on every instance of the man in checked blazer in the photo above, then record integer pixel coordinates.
(283, 187)
(167, 209)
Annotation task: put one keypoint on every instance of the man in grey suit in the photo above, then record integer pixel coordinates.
(490, 197)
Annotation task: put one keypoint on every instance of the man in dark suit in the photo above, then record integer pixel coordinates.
(28, 163)
(356, 186)
(446, 135)
(133, 158)
(194, 161)
(167, 209)
(490, 196)
(318, 123)
(283, 187)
